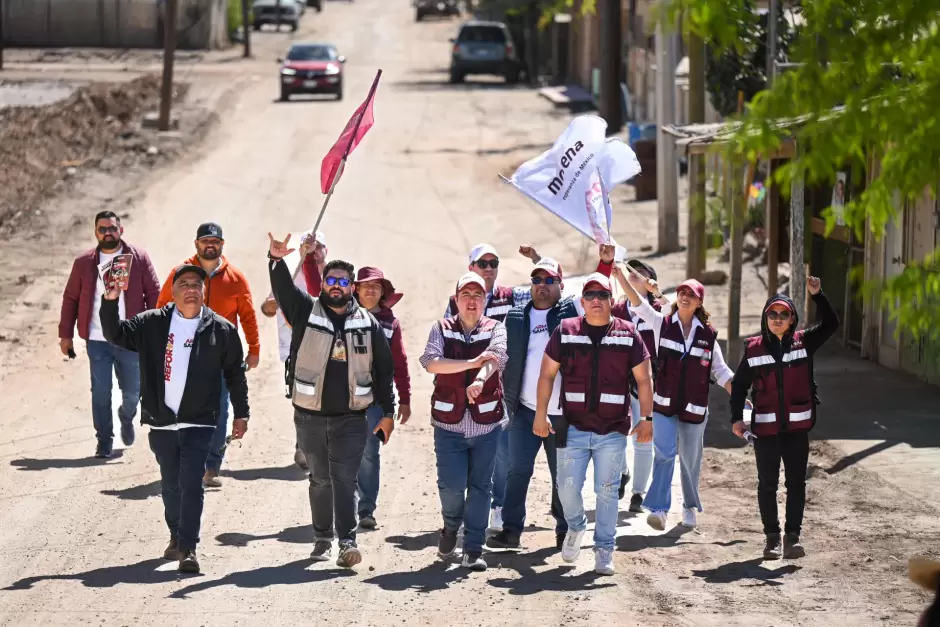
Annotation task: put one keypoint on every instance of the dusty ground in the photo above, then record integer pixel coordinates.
(81, 538)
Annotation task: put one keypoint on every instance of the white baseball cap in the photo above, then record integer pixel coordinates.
(482, 249)
(317, 238)
(548, 265)
(471, 277)
(596, 279)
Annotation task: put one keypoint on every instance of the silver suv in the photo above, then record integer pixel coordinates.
(484, 48)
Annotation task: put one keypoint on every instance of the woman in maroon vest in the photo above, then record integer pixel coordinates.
(778, 367)
(688, 357)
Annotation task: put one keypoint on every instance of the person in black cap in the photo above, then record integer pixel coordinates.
(185, 352)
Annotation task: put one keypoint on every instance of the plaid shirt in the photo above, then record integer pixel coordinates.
(435, 349)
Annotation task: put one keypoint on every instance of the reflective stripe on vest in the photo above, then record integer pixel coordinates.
(388, 332)
(794, 417)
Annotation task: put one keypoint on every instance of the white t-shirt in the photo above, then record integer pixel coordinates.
(94, 326)
(179, 346)
(538, 340)
(284, 331)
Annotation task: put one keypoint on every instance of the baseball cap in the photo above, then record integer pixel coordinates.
(319, 238)
(471, 277)
(187, 267)
(549, 265)
(693, 286)
(482, 249)
(638, 265)
(597, 280)
(209, 229)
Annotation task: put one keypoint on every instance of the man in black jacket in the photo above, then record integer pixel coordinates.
(340, 363)
(184, 350)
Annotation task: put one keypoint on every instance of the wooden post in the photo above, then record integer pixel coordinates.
(797, 245)
(169, 50)
(611, 48)
(738, 214)
(1, 34)
(697, 247)
(667, 193)
(246, 29)
(772, 232)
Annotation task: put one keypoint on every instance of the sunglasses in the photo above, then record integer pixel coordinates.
(332, 280)
(484, 264)
(596, 295)
(778, 315)
(537, 280)
(108, 229)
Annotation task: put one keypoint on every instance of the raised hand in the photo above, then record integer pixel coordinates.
(279, 250)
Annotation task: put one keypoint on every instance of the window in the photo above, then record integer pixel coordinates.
(312, 53)
(482, 35)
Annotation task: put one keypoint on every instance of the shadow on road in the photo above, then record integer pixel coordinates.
(291, 472)
(293, 573)
(301, 534)
(631, 544)
(432, 578)
(558, 579)
(137, 492)
(31, 464)
(140, 573)
(426, 540)
(750, 569)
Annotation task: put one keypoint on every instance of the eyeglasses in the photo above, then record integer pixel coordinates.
(550, 280)
(104, 230)
(484, 264)
(332, 280)
(596, 295)
(779, 315)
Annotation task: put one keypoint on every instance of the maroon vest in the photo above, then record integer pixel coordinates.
(646, 330)
(683, 379)
(596, 379)
(449, 399)
(498, 306)
(782, 391)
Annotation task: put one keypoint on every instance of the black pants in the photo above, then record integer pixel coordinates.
(793, 449)
(333, 446)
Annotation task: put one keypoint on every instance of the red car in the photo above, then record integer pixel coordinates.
(312, 68)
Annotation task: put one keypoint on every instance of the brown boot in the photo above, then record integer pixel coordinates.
(211, 479)
(172, 551)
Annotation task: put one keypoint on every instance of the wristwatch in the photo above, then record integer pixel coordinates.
(649, 418)
(270, 256)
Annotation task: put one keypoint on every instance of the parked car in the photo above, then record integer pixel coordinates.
(435, 7)
(484, 48)
(266, 12)
(312, 68)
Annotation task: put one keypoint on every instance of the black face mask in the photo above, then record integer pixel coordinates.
(337, 301)
(109, 244)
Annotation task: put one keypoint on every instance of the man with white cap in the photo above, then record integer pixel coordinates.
(596, 355)
(313, 253)
(466, 354)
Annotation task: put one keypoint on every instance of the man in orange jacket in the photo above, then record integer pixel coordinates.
(227, 294)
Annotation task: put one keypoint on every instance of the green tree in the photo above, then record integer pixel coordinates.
(866, 83)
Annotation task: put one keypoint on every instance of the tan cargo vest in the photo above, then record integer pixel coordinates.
(314, 354)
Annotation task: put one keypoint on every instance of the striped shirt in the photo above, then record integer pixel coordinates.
(435, 350)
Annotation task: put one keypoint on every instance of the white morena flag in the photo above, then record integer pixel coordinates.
(573, 178)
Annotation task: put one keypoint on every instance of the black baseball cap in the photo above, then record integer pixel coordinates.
(637, 264)
(187, 267)
(209, 229)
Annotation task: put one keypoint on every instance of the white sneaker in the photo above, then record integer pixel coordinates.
(688, 518)
(571, 549)
(657, 520)
(604, 561)
(496, 519)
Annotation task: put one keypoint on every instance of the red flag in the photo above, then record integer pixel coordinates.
(358, 125)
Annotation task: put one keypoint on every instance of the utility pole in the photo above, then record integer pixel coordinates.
(797, 246)
(1, 34)
(611, 35)
(246, 29)
(169, 50)
(667, 191)
(772, 42)
(695, 254)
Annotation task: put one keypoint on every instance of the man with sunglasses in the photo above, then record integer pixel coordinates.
(340, 365)
(81, 304)
(229, 295)
(528, 328)
(596, 355)
(778, 367)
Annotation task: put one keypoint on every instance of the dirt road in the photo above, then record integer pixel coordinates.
(81, 539)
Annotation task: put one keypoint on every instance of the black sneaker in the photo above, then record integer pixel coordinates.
(624, 480)
(503, 540)
(103, 451)
(792, 548)
(636, 504)
(560, 540)
(772, 547)
(474, 561)
(127, 433)
(189, 563)
(448, 543)
(349, 554)
(172, 551)
(367, 521)
(322, 550)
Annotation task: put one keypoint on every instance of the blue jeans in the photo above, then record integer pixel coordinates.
(666, 432)
(368, 493)
(523, 448)
(103, 358)
(465, 482)
(608, 453)
(642, 454)
(501, 469)
(182, 458)
(217, 451)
